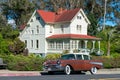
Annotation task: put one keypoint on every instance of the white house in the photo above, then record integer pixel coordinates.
(50, 32)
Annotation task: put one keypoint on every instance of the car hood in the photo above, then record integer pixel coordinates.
(49, 62)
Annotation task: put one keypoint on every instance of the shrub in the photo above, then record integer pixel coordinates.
(116, 60)
(52, 56)
(26, 63)
(109, 61)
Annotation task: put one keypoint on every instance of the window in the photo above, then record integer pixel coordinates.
(28, 25)
(31, 43)
(59, 45)
(41, 21)
(68, 56)
(31, 20)
(66, 45)
(74, 46)
(51, 29)
(62, 29)
(79, 57)
(37, 18)
(79, 28)
(37, 43)
(86, 57)
(32, 31)
(26, 43)
(51, 45)
(37, 29)
(78, 17)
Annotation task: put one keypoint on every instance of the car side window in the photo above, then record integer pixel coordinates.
(68, 56)
(71, 56)
(86, 57)
(79, 57)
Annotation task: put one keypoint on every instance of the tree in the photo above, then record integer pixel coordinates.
(17, 47)
(116, 40)
(19, 10)
(3, 46)
(93, 28)
(9, 33)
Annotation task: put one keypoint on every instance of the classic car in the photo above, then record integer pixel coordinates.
(73, 62)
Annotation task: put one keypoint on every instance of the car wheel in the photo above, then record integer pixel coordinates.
(93, 70)
(67, 70)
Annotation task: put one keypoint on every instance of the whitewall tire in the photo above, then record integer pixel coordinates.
(93, 70)
(67, 69)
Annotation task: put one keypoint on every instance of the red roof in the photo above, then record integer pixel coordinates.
(52, 17)
(71, 36)
(22, 27)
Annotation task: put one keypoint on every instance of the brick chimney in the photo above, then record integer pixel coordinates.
(60, 11)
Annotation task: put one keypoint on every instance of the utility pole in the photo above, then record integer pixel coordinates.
(104, 14)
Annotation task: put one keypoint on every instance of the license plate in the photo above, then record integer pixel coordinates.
(49, 69)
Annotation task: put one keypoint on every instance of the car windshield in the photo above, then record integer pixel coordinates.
(68, 56)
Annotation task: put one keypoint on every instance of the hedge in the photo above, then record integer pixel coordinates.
(23, 63)
(35, 63)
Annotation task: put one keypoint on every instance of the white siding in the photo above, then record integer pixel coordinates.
(62, 29)
(31, 33)
(82, 22)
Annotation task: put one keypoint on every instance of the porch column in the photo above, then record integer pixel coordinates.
(93, 47)
(71, 46)
(86, 43)
(77, 42)
(99, 45)
(63, 45)
(54, 44)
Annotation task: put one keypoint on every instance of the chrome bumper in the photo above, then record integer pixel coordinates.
(53, 68)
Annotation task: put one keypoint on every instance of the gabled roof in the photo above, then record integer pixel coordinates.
(22, 27)
(52, 17)
(72, 36)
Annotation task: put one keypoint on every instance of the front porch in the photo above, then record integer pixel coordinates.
(71, 42)
(71, 45)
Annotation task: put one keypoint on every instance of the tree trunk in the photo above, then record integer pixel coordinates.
(108, 48)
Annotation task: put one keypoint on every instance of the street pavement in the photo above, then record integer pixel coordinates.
(38, 73)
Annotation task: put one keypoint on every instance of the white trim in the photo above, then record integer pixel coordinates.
(93, 44)
(83, 14)
(27, 23)
(85, 43)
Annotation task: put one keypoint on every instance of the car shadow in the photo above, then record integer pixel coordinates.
(62, 73)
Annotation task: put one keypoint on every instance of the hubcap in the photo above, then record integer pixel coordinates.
(94, 70)
(67, 70)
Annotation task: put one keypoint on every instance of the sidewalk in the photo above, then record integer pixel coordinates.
(37, 73)
(19, 73)
(109, 71)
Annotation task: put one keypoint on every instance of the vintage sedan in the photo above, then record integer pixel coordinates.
(73, 62)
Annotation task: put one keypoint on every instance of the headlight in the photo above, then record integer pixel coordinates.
(58, 62)
(44, 63)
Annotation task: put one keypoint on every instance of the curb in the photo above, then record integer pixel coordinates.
(20, 74)
(38, 73)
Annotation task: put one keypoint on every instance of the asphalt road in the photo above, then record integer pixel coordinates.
(66, 77)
